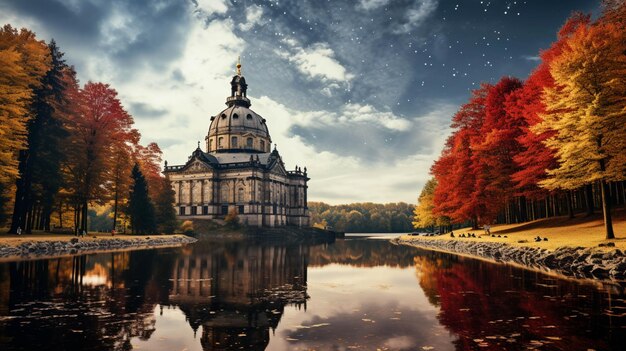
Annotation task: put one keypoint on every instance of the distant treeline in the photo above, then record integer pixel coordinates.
(363, 217)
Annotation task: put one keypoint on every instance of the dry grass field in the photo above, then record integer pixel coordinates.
(560, 231)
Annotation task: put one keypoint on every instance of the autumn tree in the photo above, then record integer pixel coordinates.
(587, 111)
(495, 148)
(140, 207)
(98, 124)
(455, 171)
(423, 214)
(23, 62)
(535, 158)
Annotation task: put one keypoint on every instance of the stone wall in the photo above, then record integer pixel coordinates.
(576, 262)
(34, 249)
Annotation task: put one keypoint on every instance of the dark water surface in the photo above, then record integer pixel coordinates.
(355, 294)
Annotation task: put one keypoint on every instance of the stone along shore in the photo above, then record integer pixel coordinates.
(578, 262)
(72, 245)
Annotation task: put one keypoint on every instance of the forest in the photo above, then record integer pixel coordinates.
(65, 147)
(552, 145)
(363, 217)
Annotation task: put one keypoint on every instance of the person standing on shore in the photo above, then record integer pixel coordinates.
(19, 231)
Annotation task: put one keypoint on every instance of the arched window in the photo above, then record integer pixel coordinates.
(263, 145)
(249, 142)
(240, 195)
(220, 142)
(233, 141)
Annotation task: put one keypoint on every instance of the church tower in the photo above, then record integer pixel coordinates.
(238, 172)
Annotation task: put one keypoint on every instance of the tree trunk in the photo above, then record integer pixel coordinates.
(523, 209)
(589, 198)
(570, 207)
(115, 210)
(606, 210)
(84, 219)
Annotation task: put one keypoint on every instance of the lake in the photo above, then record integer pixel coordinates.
(361, 293)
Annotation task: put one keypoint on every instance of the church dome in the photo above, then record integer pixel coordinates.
(238, 128)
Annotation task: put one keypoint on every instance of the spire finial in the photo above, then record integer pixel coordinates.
(238, 65)
(198, 144)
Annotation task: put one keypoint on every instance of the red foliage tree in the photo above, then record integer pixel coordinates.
(527, 104)
(98, 125)
(455, 170)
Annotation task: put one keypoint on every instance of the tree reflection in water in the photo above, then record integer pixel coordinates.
(233, 295)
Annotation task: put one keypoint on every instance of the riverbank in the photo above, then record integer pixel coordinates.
(571, 261)
(53, 245)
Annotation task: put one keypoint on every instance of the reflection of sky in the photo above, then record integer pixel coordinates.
(172, 332)
(371, 308)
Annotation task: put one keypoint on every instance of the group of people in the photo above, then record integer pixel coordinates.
(472, 235)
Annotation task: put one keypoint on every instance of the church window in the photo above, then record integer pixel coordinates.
(240, 209)
(235, 116)
(249, 142)
(249, 116)
(233, 142)
(181, 210)
(224, 210)
(210, 144)
(240, 194)
(220, 141)
(205, 210)
(223, 115)
(194, 210)
(262, 145)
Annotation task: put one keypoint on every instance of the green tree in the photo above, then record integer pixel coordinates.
(140, 208)
(164, 206)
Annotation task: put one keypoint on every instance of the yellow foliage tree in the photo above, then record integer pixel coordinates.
(423, 213)
(587, 110)
(23, 62)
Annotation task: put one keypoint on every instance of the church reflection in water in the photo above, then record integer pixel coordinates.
(237, 292)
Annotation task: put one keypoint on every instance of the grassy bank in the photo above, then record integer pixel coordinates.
(582, 231)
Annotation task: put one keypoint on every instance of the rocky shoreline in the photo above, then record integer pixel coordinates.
(52, 248)
(577, 262)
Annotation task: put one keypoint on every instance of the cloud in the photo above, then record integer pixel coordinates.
(211, 6)
(331, 145)
(531, 58)
(416, 14)
(144, 110)
(372, 4)
(316, 61)
(254, 14)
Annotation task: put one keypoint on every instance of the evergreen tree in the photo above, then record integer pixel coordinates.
(164, 206)
(40, 163)
(140, 208)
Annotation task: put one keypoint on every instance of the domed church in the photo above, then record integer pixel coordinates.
(239, 171)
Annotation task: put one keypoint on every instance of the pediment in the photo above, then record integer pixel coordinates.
(196, 166)
(279, 168)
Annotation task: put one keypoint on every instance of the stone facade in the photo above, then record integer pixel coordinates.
(239, 172)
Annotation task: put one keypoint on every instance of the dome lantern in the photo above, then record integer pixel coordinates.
(238, 128)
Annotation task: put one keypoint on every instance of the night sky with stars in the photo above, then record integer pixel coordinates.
(360, 92)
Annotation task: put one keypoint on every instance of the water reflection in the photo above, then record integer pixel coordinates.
(237, 292)
(353, 294)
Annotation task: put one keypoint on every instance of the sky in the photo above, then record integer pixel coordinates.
(361, 92)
